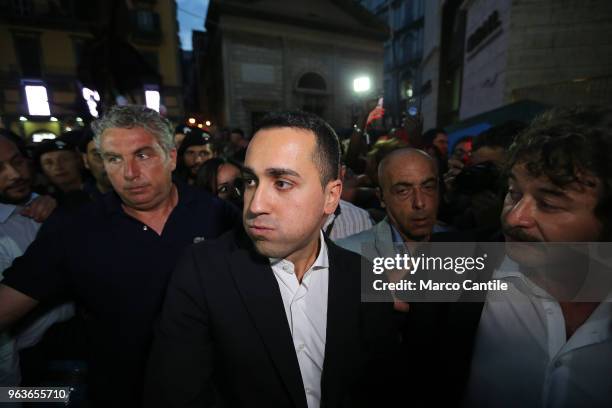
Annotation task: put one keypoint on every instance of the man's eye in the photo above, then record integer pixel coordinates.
(222, 189)
(142, 156)
(547, 206)
(112, 160)
(248, 182)
(283, 185)
(514, 195)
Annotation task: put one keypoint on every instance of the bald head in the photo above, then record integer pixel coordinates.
(408, 181)
(401, 157)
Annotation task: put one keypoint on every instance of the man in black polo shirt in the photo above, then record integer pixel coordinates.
(115, 255)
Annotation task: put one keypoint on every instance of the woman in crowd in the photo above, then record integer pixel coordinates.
(221, 177)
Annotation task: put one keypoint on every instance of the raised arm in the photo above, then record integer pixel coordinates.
(13, 305)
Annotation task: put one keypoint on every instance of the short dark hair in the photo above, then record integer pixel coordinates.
(16, 140)
(500, 136)
(430, 136)
(207, 174)
(239, 131)
(563, 144)
(327, 152)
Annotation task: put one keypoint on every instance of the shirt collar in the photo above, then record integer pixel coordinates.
(395, 234)
(6, 210)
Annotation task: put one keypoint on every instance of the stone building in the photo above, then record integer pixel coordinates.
(62, 48)
(272, 54)
(403, 53)
(553, 52)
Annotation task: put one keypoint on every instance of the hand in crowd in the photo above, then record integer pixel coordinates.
(40, 208)
(396, 276)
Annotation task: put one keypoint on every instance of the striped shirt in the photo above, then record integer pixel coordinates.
(346, 221)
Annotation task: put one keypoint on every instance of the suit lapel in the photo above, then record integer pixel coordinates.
(259, 290)
(384, 240)
(342, 336)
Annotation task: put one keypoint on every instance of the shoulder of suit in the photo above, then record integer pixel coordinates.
(223, 244)
(353, 242)
(339, 250)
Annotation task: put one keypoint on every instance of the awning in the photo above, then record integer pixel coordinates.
(523, 111)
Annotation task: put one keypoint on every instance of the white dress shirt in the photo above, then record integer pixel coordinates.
(16, 234)
(306, 308)
(523, 359)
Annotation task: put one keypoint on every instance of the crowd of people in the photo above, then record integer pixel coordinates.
(176, 267)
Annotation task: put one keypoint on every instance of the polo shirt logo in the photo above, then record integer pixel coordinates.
(198, 239)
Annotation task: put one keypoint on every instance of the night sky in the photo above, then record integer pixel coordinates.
(191, 16)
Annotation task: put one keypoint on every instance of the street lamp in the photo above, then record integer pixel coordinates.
(361, 84)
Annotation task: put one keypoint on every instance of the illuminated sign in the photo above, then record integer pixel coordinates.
(38, 102)
(92, 97)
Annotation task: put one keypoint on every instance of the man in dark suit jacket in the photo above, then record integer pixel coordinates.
(271, 315)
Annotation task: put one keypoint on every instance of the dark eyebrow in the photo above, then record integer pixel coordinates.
(143, 149)
(405, 184)
(246, 171)
(429, 180)
(105, 153)
(402, 184)
(139, 150)
(553, 192)
(272, 172)
(280, 172)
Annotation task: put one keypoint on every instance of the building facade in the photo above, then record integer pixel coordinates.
(482, 55)
(271, 54)
(403, 53)
(64, 60)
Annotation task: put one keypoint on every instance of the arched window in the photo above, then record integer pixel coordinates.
(312, 81)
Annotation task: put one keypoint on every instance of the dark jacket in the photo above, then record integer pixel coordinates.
(223, 337)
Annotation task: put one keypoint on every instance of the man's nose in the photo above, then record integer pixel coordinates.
(257, 199)
(11, 172)
(199, 159)
(131, 170)
(418, 201)
(522, 213)
(58, 165)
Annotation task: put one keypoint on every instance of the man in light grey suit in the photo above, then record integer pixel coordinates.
(409, 193)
